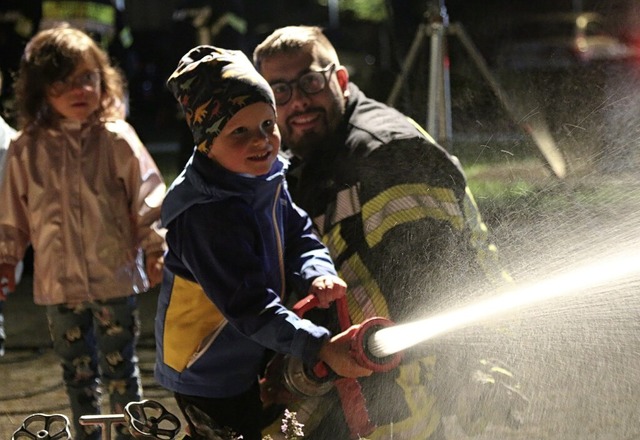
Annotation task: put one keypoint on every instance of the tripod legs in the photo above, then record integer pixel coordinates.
(407, 65)
(536, 128)
(439, 99)
(439, 109)
(438, 117)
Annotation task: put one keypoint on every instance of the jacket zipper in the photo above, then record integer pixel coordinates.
(278, 239)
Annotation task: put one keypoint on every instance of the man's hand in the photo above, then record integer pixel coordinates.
(7, 280)
(154, 264)
(335, 353)
(327, 289)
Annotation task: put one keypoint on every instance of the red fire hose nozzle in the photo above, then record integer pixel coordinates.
(363, 340)
(286, 378)
(361, 348)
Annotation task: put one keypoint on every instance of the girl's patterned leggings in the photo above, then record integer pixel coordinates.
(96, 343)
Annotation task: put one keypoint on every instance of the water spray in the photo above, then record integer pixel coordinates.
(379, 343)
(379, 339)
(615, 268)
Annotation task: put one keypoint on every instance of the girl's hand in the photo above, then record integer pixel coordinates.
(154, 265)
(7, 280)
(328, 288)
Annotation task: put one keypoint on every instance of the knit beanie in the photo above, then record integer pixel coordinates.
(211, 85)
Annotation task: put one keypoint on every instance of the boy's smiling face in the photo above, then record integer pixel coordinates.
(249, 142)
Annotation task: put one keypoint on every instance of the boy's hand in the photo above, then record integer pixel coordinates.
(335, 353)
(327, 289)
(7, 279)
(154, 264)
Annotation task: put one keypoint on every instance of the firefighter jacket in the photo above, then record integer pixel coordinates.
(87, 198)
(235, 243)
(395, 211)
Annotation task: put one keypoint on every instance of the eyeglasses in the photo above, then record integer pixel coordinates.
(89, 78)
(310, 83)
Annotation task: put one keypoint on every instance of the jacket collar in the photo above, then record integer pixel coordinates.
(203, 180)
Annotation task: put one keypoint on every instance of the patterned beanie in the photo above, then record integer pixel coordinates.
(211, 85)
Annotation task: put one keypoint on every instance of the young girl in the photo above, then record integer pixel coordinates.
(236, 241)
(83, 191)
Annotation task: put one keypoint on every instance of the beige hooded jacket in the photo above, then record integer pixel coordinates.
(87, 198)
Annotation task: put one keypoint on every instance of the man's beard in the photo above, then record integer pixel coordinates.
(311, 143)
(307, 145)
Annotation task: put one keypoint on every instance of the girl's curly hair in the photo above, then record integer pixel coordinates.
(52, 55)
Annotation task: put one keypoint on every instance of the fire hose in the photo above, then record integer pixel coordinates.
(287, 379)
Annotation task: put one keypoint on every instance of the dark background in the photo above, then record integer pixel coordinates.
(373, 52)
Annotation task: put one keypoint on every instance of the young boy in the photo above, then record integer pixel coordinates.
(236, 245)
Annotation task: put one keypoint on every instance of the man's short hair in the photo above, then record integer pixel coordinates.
(295, 38)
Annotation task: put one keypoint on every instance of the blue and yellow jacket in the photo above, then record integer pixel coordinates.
(235, 245)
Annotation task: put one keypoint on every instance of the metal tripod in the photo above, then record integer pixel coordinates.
(438, 124)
